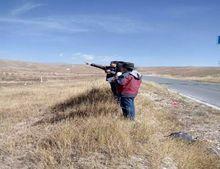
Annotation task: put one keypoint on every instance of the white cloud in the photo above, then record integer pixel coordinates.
(27, 6)
(112, 23)
(88, 57)
(43, 24)
(83, 57)
(102, 59)
(80, 24)
(61, 54)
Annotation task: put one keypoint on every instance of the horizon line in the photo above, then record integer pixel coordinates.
(64, 63)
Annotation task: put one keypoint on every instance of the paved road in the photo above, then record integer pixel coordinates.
(205, 92)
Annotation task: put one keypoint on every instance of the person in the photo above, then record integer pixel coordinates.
(111, 72)
(128, 85)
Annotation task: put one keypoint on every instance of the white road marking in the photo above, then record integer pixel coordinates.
(194, 99)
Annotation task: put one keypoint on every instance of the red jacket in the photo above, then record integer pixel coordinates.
(129, 84)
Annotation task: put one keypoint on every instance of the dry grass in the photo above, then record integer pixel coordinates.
(19, 73)
(79, 125)
(71, 121)
(204, 74)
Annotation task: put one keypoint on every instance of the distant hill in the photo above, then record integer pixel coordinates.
(20, 70)
(28, 72)
(183, 71)
(206, 74)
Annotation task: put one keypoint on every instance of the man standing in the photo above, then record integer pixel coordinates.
(128, 85)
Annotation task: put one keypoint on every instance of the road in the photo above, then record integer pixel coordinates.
(208, 93)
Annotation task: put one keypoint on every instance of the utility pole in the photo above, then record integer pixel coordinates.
(41, 79)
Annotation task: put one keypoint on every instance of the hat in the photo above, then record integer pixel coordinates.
(116, 62)
(113, 62)
(128, 65)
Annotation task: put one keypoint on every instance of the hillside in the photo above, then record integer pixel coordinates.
(17, 72)
(76, 123)
(206, 74)
(14, 72)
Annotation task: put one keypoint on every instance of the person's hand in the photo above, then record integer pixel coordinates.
(108, 71)
(118, 74)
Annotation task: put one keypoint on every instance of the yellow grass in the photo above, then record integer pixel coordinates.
(204, 74)
(79, 125)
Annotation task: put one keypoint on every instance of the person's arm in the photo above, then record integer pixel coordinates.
(110, 70)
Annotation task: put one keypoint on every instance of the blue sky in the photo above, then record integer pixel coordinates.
(147, 32)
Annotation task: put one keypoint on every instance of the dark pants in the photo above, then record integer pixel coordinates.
(114, 88)
(127, 105)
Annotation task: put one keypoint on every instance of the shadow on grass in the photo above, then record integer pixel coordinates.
(94, 102)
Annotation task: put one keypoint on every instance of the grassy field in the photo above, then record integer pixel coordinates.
(204, 74)
(76, 123)
(27, 73)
